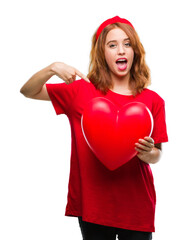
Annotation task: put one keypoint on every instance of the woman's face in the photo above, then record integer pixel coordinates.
(118, 52)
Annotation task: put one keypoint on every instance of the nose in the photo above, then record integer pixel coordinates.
(121, 49)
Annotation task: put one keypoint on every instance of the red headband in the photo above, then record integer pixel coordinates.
(110, 21)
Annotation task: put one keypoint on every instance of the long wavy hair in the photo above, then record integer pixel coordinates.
(99, 72)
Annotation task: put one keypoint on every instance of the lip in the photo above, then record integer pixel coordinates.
(121, 59)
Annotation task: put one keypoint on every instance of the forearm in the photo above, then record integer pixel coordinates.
(36, 82)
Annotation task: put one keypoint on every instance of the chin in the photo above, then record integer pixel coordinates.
(121, 75)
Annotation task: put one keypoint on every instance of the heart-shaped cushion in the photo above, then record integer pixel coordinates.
(111, 133)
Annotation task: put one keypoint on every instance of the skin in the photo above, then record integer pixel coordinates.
(35, 87)
(117, 45)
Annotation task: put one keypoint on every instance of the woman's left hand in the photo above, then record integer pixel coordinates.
(144, 148)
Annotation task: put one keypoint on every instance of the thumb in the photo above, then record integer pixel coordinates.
(82, 76)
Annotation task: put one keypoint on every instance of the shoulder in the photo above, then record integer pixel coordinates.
(75, 86)
(84, 85)
(80, 82)
(153, 96)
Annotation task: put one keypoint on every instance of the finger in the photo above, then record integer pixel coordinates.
(72, 79)
(82, 76)
(139, 150)
(143, 147)
(146, 143)
(149, 139)
(68, 81)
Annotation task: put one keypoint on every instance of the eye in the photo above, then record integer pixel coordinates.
(128, 44)
(112, 45)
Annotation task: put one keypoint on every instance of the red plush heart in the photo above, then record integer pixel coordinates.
(111, 133)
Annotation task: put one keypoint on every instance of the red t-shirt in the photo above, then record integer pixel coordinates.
(123, 198)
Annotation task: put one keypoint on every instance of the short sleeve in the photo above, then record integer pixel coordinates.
(62, 96)
(159, 133)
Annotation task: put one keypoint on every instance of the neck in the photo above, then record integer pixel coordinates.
(121, 84)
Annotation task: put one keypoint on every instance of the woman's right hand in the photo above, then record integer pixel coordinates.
(35, 87)
(66, 72)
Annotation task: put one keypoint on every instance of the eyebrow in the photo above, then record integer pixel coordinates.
(116, 40)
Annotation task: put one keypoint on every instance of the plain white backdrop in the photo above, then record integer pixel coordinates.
(35, 143)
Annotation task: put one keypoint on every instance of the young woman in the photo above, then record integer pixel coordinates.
(107, 202)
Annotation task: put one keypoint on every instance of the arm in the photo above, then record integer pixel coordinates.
(148, 151)
(35, 87)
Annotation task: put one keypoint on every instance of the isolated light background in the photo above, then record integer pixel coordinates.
(36, 144)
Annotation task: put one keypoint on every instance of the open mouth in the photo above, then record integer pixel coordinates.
(121, 63)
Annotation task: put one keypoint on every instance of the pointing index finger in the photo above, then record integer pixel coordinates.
(82, 75)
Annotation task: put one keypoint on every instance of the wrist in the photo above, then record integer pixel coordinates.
(52, 68)
(155, 155)
(150, 157)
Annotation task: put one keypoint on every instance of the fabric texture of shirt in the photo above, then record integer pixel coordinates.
(123, 198)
